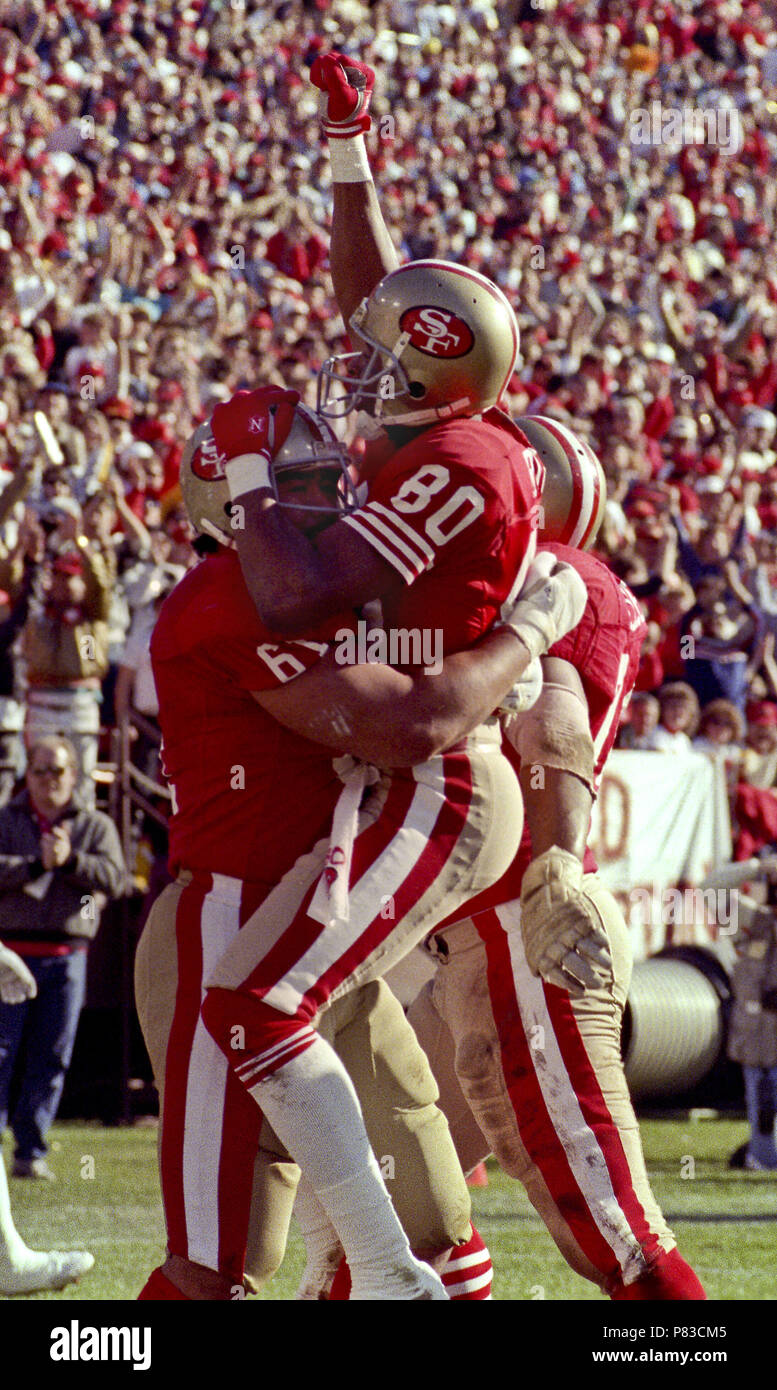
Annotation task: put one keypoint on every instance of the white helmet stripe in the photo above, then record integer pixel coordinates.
(484, 283)
(581, 482)
(575, 490)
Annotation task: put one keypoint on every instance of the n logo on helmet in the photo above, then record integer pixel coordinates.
(207, 462)
(436, 332)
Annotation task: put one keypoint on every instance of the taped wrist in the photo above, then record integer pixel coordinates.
(246, 473)
(555, 733)
(348, 160)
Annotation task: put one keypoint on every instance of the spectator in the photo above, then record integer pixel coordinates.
(639, 732)
(722, 729)
(724, 653)
(679, 718)
(65, 646)
(759, 757)
(752, 1037)
(23, 1270)
(59, 865)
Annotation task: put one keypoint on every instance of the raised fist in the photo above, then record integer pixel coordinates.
(347, 86)
(254, 422)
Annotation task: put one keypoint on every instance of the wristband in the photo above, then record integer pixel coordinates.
(348, 159)
(247, 473)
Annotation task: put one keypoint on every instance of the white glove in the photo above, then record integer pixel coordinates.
(550, 604)
(16, 982)
(525, 693)
(563, 934)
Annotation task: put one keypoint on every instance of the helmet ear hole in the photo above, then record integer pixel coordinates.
(417, 390)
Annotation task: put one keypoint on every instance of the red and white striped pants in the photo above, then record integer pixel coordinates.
(213, 1147)
(428, 840)
(536, 1078)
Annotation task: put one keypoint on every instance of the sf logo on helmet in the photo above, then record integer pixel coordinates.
(207, 462)
(436, 332)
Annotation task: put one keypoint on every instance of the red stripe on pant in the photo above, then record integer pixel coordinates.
(535, 1125)
(185, 1018)
(240, 1122)
(598, 1118)
(303, 930)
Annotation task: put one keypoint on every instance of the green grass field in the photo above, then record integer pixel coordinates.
(726, 1222)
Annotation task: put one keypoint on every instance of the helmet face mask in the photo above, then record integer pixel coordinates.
(310, 447)
(442, 342)
(381, 372)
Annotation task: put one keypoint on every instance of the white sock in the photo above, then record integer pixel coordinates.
(13, 1250)
(313, 1108)
(322, 1245)
(27, 1271)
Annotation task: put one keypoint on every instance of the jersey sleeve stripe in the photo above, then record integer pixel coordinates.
(407, 574)
(404, 526)
(418, 552)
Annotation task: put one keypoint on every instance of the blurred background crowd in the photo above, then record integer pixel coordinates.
(164, 197)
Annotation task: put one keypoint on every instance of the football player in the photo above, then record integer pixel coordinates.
(534, 1063)
(522, 1021)
(444, 541)
(23, 1270)
(572, 933)
(250, 796)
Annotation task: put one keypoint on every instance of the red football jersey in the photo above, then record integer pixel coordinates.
(604, 648)
(249, 795)
(455, 512)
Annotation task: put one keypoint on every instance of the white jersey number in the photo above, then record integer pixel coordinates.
(416, 493)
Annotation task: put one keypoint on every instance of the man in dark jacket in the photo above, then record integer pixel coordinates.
(59, 865)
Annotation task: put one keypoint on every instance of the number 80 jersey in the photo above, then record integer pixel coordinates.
(455, 512)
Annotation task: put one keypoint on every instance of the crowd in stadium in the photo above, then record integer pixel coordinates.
(163, 242)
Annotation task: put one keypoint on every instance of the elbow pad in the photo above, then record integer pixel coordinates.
(555, 733)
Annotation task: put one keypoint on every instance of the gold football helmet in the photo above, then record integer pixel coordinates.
(440, 339)
(575, 489)
(311, 444)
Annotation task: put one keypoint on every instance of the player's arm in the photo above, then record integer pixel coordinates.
(392, 718)
(396, 719)
(564, 936)
(361, 250)
(294, 585)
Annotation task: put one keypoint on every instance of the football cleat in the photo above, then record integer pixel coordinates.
(575, 489)
(40, 1270)
(440, 341)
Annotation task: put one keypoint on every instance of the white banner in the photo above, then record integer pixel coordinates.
(660, 824)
